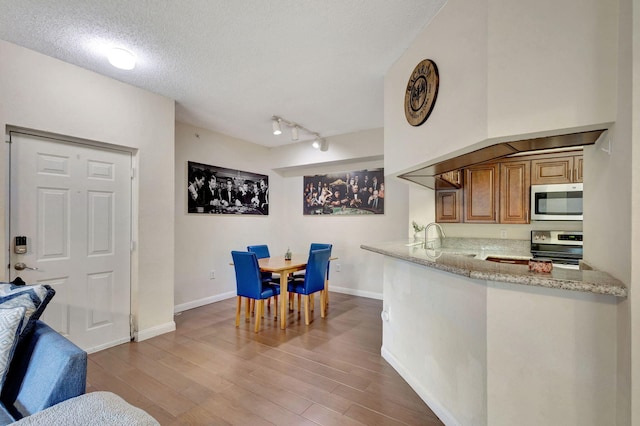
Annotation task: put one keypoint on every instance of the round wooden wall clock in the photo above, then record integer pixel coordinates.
(422, 91)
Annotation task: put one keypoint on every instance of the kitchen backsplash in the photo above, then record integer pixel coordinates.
(513, 247)
(502, 231)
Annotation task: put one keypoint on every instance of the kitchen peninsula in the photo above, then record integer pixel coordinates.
(481, 348)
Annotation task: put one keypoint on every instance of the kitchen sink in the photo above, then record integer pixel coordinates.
(509, 260)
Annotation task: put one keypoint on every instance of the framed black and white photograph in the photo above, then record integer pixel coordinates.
(217, 190)
(347, 193)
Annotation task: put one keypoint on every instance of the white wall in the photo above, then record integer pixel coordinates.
(360, 271)
(456, 39)
(632, 351)
(436, 338)
(515, 68)
(45, 94)
(551, 356)
(489, 353)
(501, 79)
(609, 193)
(204, 242)
(552, 65)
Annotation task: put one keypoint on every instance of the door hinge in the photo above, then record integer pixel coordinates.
(133, 245)
(133, 173)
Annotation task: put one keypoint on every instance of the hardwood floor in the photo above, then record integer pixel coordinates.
(208, 372)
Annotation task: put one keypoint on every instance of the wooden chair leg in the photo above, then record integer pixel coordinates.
(323, 306)
(275, 315)
(326, 292)
(247, 313)
(291, 301)
(238, 311)
(258, 314)
(313, 302)
(306, 309)
(253, 306)
(299, 302)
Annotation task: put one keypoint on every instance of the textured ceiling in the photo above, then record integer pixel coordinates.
(231, 64)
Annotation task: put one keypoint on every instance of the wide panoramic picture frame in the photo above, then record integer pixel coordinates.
(358, 192)
(219, 190)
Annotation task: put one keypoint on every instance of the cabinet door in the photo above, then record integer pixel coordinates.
(449, 206)
(481, 188)
(515, 183)
(554, 170)
(577, 165)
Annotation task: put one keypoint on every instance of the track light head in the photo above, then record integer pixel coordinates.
(318, 142)
(276, 126)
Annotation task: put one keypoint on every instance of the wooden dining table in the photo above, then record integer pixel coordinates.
(278, 265)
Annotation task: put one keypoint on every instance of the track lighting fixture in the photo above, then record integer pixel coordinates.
(276, 126)
(321, 144)
(318, 142)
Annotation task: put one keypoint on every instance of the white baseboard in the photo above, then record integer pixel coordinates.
(107, 345)
(361, 293)
(224, 296)
(201, 302)
(443, 414)
(148, 333)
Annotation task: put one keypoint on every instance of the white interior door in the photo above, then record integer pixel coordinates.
(73, 203)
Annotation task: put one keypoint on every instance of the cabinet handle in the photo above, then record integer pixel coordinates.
(570, 175)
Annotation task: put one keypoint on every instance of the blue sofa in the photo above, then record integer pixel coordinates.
(46, 369)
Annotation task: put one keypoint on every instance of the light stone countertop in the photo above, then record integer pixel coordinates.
(464, 256)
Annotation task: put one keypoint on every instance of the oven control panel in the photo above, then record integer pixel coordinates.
(569, 238)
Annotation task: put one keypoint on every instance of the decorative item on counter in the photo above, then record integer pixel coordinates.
(540, 265)
(287, 255)
(417, 231)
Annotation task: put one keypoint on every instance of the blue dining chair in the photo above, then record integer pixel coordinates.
(262, 251)
(249, 284)
(314, 280)
(300, 275)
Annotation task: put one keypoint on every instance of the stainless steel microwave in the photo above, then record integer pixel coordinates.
(556, 202)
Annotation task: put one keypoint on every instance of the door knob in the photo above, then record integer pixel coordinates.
(21, 266)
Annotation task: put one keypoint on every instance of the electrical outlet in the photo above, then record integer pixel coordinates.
(212, 274)
(503, 233)
(337, 267)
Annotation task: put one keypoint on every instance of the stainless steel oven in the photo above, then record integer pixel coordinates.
(564, 248)
(556, 202)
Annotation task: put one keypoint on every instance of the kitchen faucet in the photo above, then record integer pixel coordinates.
(430, 243)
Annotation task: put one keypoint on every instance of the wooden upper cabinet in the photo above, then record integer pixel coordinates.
(454, 178)
(556, 170)
(577, 166)
(481, 188)
(449, 206)
(514, 192)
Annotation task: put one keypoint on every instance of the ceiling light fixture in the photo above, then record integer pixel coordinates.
(121, 58)
(321, 144)
(318, 142)
(276, 126)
